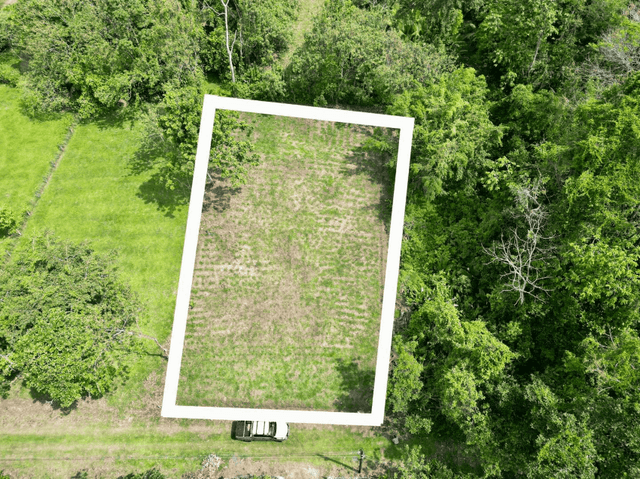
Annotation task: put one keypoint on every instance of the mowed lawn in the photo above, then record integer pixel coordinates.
(93, 196)
(289, 274)
(112, 453)
(27, 149)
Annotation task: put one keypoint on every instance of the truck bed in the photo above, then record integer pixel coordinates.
(255, 430)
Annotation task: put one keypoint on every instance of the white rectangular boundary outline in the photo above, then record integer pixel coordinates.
(376, 417)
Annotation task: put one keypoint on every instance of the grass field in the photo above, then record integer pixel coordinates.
(93, 196)
(38, 442)
(53, 446)
(289, 275)
(27, 150)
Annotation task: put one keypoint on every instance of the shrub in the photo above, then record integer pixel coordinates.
(9, 75)
(5, 29)
(9, 71)
(88, 56)
(8, 220)
(65, 320)
(150, 474)
(261, 84)
(351, 57)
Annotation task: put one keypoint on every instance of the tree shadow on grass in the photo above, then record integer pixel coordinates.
(155, 191)
(42, 116)
(218, 194)
(38, 397)
(342, 464)
(165, 187)
(116, 117)
(369, 161)
(169, 188)
(83, 474)
(356, 387)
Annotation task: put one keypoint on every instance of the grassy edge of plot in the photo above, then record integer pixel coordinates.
(93, 197)
(183, 452)
(28, 148)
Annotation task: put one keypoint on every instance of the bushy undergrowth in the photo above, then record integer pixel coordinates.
(8, 221)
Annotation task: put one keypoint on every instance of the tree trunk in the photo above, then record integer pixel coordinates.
(535, 55)
(226, 32)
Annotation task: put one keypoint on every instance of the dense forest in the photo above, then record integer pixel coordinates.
(518, 314)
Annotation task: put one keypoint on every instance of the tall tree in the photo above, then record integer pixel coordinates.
(539, 42)
(169, 140)
(462, 361)
(453, 133)
(241, 34)
(66, 320)
(434, 21)
(94, 56)
(233, 42)
(351, 56)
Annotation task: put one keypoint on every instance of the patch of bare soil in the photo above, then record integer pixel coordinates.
(26, 416)
(345, 467)
(20, 415)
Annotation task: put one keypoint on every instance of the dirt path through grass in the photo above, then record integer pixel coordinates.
(54, 166)
(28, 149)
(308, 10)
(39, 441)
(13, 241)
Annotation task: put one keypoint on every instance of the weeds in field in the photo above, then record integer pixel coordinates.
(288, 278)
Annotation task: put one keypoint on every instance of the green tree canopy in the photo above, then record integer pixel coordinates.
(434, 21)
(562, 401)
(263, 31)
(66, 320)
(93, 56)
(461, 362)
(453, 134)
(537, 41)
(170, 139)
(351, 56)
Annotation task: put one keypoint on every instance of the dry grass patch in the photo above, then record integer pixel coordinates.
(287, 288)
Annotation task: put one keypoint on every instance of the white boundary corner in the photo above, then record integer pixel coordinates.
(376, 417)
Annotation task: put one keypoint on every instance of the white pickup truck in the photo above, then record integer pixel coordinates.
(261, 431)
